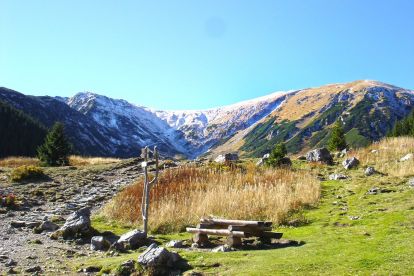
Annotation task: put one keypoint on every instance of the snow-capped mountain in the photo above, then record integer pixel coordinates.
(204, 128)
(129, 124)
(101, 126)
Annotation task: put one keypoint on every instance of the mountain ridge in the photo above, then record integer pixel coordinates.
(302, 118)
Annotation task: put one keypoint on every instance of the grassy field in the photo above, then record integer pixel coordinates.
(349, 232)
(184, 195)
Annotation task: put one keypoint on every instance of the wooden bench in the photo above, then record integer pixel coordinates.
(234, 230)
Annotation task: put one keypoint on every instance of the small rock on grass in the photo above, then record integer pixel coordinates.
(350, 163)
(175, 244)
(99, 243)
(34, 269)
(337, 176)
(370, 171)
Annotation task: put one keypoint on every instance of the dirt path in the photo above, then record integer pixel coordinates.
(67, 190)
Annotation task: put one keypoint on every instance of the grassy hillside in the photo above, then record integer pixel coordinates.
(349, 232)
(368, 110)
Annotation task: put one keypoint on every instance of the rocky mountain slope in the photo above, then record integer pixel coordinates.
(99, 125)
(368, 109)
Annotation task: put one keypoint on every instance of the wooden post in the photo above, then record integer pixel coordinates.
(147, 186)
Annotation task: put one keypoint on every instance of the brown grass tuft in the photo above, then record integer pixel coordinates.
(186, 194)
(384, 156)
(75, 160)
(17, 161)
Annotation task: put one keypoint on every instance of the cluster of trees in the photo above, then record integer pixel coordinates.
(404, 127)
(20, 134)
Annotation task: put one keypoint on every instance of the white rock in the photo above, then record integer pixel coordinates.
(407, 157)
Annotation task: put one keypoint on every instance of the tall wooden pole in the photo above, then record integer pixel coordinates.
(147, 186)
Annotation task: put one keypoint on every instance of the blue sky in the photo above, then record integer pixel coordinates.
(200, 54)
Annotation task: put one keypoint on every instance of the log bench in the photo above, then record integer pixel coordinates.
(234, 230)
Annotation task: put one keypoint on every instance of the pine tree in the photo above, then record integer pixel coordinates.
(277, 155)
(56, 148)
(337, 140)
(404, 127)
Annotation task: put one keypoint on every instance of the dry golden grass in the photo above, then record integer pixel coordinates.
(384, 156)
(17, 161)
(184, 195)
(75, 160)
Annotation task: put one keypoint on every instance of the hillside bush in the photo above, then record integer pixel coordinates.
(25, 173)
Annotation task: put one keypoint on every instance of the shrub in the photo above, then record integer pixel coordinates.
(276, 158)
(8, 200)
(24, 173)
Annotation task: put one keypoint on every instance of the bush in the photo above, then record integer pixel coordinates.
(56, 149)
(276, 158)
(7, 200)
(24, 173)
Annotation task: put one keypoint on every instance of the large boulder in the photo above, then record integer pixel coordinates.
(78, 222)
(131, 240)
(159, 260)
(350, 163)
(321, 155)
(228, 157)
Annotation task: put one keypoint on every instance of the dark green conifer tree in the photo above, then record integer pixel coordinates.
(277, 156)
(56, 148)
(337, 140)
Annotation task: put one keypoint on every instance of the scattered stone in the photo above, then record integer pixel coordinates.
(10, 263)
(91, 268)
(354, 217)
(175, 244)
(321, 155)
(373, 191)
(77, 223)
(18, 223)
(222, 248)
(411, 182)
(370, 171)
(350, 163)
(228, 157)
(133, 239)
(49, 226)
(158, 259)
(407, 157)
(99, 243)
(33, 269)
(337, 176)
(32, 224)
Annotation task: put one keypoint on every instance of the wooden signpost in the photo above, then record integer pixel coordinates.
(148, 184)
